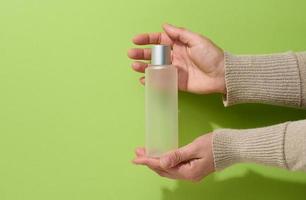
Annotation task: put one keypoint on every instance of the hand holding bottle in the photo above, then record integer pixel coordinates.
(200, 65)
(191, 162)
(199, 61)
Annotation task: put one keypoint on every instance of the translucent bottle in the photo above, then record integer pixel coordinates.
(161, 103)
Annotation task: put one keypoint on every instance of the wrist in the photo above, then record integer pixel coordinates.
(221, 74)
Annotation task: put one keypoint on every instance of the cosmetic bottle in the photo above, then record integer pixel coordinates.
(161, 103)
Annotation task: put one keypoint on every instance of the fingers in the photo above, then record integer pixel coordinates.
(150, 162)
(161, 173)
(184, 170)
(140, 54)
(147, 38)
(140, 152)
(169, 160)
(141, 159)
(183, 35)
(142, 80)
(152, 38)
(178, 156)
(139, 66)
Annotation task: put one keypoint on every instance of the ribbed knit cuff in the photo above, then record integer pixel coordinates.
(270, 79)
(301, 57)
(259, 145)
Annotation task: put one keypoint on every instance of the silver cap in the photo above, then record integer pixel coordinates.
(161, 55)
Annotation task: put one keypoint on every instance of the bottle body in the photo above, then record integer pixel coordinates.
(161, 108)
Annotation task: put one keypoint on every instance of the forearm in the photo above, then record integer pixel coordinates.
(282, 145)
(278, 79)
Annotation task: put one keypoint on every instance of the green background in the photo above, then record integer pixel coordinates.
(72, 110)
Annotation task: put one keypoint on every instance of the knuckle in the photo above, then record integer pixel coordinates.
(176, 157)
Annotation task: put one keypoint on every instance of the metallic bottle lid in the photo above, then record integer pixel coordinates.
(161, 55)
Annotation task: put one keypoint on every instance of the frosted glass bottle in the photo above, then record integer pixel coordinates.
(161, 103)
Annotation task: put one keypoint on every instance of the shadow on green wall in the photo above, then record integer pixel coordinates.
(200, 114)
(251, 186)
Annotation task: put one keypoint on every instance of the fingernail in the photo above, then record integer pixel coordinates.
(130, 53)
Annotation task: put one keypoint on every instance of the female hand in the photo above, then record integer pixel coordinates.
(191, 162)
(199, 61)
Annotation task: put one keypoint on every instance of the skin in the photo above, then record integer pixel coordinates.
(200, 65)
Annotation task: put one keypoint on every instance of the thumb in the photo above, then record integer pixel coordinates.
(177, 156)
(181, 34)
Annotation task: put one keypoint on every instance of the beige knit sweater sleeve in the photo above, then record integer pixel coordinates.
(278, 79)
